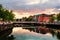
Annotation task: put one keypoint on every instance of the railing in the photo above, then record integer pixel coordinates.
(57, 23)
(26, 22)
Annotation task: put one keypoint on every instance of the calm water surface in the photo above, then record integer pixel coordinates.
(23, 34)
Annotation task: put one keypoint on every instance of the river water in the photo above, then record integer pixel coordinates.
(24, 34)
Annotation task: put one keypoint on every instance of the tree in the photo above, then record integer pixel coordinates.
(52, 18)
(58, 17)
(0, 6)
(6, 15)
(9, 15)
(29, 19)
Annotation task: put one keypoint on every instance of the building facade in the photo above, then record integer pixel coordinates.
(42, 18)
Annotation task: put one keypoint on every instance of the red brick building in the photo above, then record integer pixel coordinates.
(44, 18)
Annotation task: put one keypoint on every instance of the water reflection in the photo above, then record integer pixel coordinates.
(23, 34)
(52, 32)
(58, 35)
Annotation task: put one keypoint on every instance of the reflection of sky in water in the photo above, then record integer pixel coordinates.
(22, 34)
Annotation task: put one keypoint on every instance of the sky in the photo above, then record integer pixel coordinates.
(22, 8)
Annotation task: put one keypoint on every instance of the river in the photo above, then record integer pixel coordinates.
(24, 34)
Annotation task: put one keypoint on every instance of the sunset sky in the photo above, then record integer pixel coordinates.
(26, 8)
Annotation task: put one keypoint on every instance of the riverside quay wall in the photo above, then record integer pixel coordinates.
(5, 31)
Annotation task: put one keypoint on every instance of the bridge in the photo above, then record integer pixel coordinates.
(33, 22)
(30, 24)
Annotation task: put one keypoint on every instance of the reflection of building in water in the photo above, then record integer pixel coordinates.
(44, 30)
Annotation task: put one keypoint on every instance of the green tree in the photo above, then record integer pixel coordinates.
(58, 17)
(52, 18)
(24, 18)
(6, 15)
(29, 19)
(0, 6)
(10, 15)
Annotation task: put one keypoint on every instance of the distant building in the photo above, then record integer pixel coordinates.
(44, 18)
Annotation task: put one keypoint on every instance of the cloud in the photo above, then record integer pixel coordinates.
(32, 6)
